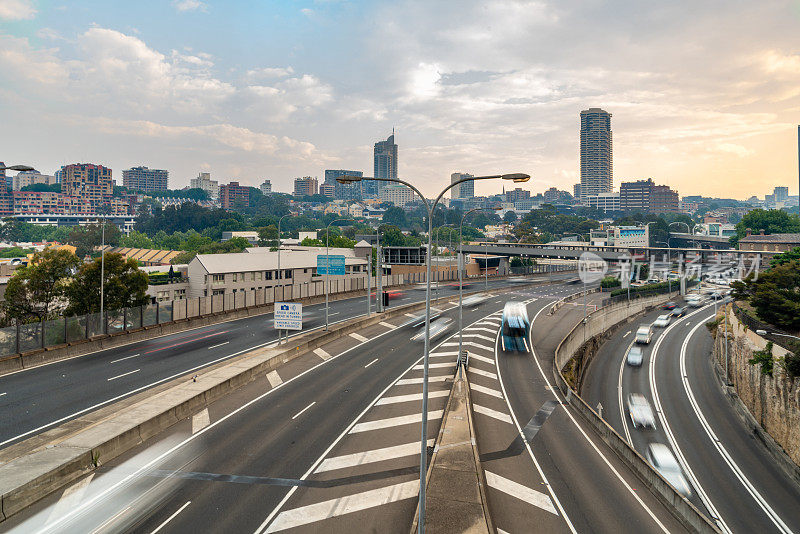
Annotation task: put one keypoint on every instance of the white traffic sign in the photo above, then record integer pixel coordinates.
(288, 316)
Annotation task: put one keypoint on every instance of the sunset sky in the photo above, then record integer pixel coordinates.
(705, 96)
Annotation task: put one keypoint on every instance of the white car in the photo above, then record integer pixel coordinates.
(661, 458)
(635, 355)
(640, 411)
(644, 334)
(662, 321)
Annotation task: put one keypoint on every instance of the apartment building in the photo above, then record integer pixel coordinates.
(397, 194)
(144, 179)
(204, 182)
(232, 194)
(41, 202)
(90, 182)
(305, 186)
(26, 178)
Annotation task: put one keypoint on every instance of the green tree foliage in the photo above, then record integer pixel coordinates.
(46, 188)
(771, 221)
(785, 257)
(14, 230)
(182, 218)
(15, 252)
(124, 285)
(268, 236)
(791, 362)
(197, 244)
(37, 290)
(194, 194)
(85, 238)
(510, 217)
(136, 240)
(547, 220)
(395, 216)
(391, 236)
(764, 359)
(775, 294)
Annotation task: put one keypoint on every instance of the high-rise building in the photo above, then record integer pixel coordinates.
(6, 200)
(385, 165)
(397, 194)
(204, 182)
(89, 182)
(596, 153)
(232, 194)
(305, 186)
(664, 200)
(266, 187)
(576, 191)
(26, 178)
(605, 202)
(517, 194)
(345, 191)
(646, 197)
(144, 179)
(464, 189)
(327, 190)
(781, 194)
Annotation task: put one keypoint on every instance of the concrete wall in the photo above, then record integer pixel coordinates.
(773, 401)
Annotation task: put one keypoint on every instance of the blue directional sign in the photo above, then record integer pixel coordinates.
(336, 263)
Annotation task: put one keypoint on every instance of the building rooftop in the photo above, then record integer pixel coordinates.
(771, 238)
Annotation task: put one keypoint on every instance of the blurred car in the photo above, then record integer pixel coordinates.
(678, 312)
(438, 327)
(644, 333)
(695, 301)
(635, 356)
(640, 411)
(669, 306)
(393, 294)
(662, 459)
(662, 321)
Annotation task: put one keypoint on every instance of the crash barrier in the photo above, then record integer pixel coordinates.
(40, 465)
(563, 300)
(586, 333)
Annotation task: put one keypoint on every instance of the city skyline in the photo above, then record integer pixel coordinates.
(145, 85)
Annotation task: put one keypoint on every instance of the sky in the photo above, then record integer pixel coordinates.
(705, 96)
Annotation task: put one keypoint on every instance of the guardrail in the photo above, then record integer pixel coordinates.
(598, 323)
(754, 324)
(563, 300)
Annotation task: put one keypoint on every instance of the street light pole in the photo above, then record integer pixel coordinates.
(103, 273)
(379, 272)
(328, 266)
(280, 274)
(423, 460)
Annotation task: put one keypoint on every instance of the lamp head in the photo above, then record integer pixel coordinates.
(20, 168)
(516, 177)
(348, 179)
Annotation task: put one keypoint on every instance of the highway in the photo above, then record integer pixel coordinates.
(328, 442)
(733, 478)
(36, 399)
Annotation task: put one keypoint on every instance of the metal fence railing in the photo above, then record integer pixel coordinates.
(754, 324)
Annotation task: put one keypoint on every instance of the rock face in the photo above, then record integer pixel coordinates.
(774, 401)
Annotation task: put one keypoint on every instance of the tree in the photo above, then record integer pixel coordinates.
(136, 240)
(49, 188)
(268, 236)
(770, 221)
(775, 294)
(124, 286)
(510, 217)
(395, 216)
(85, 238)
(785, 257)
(38, 289)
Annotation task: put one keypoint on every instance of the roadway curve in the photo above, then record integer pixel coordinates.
(733, 476)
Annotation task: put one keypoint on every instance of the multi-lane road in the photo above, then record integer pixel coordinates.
(732, 476)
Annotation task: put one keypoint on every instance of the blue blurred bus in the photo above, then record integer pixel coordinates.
(514, 328)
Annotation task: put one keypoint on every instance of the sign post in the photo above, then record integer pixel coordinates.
(288, 316)
(329, 264)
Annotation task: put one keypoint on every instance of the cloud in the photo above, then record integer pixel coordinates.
(269, 73)
(16, 10)
(189, 5)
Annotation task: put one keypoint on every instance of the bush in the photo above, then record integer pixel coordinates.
(610, 281)
(764, 359)
(791, 363)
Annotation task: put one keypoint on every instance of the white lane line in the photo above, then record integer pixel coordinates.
(479, 336)
(751, 489)
(387, 325)
(481, 372)
(480, 358)
(123, 374)
(200, 421)
(627, 334)
(359, 337)
(125, 358)
(442, 354)
(489, 330)
(479, 346)
(434, 366)
(487, 391)
(274, 379)
(170, 518)
(523, 493)
(344, 505)
(394, 421)
(370, 363)
(322, 354)
(295, 416)
(218, 345)
(411, 397)
(619, 396)
(409, 381)
(411, 315)
(500, 416)
(72, 497)
(673, 443)
(450, 344)
(368, 457)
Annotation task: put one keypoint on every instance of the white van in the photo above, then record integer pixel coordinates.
(644, 334)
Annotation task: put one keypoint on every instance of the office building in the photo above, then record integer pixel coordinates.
(576, 191)
(144, 179)
(204, 182)
(397, 194)
(605, 202)
(556, 196)
(781, 194)
(517, 194)
(596, 153)
(6, 201)
(664, 200)
(327, 190)
(305, 186)
(645, 196)
(344, 191)
(89, 182)
(26, 178)
(266, 187)
(464, 189)
(233, 194)
(385, 165)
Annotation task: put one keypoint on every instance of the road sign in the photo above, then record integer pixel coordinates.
(336, 263)
(288, 316)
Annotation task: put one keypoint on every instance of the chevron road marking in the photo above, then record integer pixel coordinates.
(523, 493)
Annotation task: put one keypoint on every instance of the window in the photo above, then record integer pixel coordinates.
(259, 275)
(218, 292)
(236, 277)
(287, 273)
(218, 279)
(253, 276)
(268, 275)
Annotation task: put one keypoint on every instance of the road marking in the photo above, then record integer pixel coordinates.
(627, 334)
(411, 315)
(1, 394)
(219, 345)
(619, 395)
(368, 457)
(344, 505)
(481, 372)
(187, 341)
(479, 336)
(434, 366)
(170, 518)
(480, 358)
(489, 330)
(125, 358)
(359, 337)
(478, 345)
(123, 374)
(322, 354)
(409, 381)
(274, 379)
(200, 421)
(523, 493)
(370, 363)
(394, 421)
(295, 416)
(450, 344)
(443, 354)
(487, 391)
(72, 497)
(500, 416)
(387, 325)
(412, 397)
